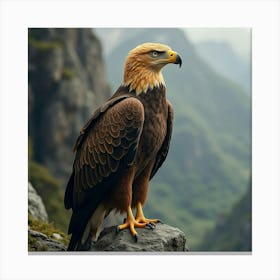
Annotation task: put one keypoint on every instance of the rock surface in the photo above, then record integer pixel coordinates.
(66, 83)
(162, 238)
(36, 206)
(43, 243)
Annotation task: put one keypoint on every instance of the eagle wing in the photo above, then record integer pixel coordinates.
(162, 153)
(106, 146)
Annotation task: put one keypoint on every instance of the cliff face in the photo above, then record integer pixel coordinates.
(66, 82)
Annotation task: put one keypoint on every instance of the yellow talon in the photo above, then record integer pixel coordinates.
(131, 223)
(141, 218)
(138, 222)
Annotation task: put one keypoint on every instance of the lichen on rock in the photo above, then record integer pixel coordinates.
(38, 241)
(43, 236)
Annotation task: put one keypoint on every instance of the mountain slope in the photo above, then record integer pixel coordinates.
(222, 59)
(209, 161)
(233, 230)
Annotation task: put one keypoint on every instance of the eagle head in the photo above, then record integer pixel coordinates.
(142, 68)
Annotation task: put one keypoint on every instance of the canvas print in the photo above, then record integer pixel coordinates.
(139, 140)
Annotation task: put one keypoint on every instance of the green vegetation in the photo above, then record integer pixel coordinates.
(34, 245)
(68, 73)
(233, 230)
(46, 228)
(42, 45)
(50, 191)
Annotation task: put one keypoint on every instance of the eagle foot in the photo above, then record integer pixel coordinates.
(140, 218)
(130, 223)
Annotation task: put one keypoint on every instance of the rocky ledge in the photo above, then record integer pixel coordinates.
(41, 242)
(162, 238)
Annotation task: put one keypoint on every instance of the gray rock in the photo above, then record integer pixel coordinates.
(36, 206)
(40, 242)
(66, 82)
(57, 236)
(162, 238)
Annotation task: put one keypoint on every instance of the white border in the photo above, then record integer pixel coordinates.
(262, 16)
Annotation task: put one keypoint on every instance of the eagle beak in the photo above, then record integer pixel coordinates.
(178, 60)
(175, 58)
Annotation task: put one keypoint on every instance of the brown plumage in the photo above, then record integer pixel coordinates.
(121, 148)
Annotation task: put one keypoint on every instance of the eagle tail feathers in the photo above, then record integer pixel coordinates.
(81, 217)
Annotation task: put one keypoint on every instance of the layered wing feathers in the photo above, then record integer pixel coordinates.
(106, 145)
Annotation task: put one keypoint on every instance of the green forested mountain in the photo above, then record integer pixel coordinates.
(209, 162)
(233, 230)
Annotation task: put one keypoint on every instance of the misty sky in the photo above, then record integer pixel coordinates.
(238, 38)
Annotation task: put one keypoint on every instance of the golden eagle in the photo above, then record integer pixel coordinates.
(121, 148)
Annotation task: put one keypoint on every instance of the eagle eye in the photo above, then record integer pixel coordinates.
(155, 54)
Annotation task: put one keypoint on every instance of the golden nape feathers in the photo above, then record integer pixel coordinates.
(142, 69)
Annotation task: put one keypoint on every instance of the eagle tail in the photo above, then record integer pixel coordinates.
(80, 218)
(81, 240)
(77, 232)
(81, 215)
(75, 243)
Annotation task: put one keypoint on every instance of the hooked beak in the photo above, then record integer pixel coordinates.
(174, 58)
(178, 60)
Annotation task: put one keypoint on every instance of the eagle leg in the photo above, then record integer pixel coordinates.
(131, 223)
(140, 218)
